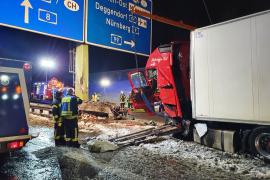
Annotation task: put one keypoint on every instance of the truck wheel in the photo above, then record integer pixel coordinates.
(259, 142)
(187, 133)
(245, 142)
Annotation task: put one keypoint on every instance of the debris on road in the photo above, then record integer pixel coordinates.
(98, 146)
(164, 158)
(102, 109)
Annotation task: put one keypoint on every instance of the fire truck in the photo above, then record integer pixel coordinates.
(14, 107)
(216, 88)
(45, 91)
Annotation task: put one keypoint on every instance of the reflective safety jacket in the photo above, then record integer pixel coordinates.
(56, 110)
(69, 107)
(94, 97)
(122, 98)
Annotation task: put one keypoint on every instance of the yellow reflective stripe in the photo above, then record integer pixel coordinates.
(54, 120)
(76, 133)
(68, 139)
(55, 106)
(76, 136)
(75, 140)
(66, 113)
(57, 137)
(66, 100)
(59, 124)
(60, 120)
(71, 117)
(57, 120)
(68, 107)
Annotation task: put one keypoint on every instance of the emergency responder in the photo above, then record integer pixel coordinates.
(98, 97)
(69, 113)
(94, 97)
(129, 101)
(122, 100)
(59, 131)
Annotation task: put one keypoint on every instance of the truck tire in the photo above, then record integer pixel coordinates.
(245, 142)
(187, 133)
(259, 142)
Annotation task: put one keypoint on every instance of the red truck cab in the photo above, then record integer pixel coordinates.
(164, 64)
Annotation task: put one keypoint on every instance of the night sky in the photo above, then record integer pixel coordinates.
(29, 46)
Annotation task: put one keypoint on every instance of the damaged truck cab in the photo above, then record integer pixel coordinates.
(164, 64)
(219, 83)
(173, 92)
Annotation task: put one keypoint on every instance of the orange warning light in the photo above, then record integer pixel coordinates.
(18, 89)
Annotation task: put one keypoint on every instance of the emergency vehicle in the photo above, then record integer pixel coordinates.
(14, 108)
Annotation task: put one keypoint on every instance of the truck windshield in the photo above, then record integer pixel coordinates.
(138, 80)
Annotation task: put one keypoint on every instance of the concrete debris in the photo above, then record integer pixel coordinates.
(98, 107)
(151, 123)
(118, 113)
(39, 120)
(77, 164)
(98, 146)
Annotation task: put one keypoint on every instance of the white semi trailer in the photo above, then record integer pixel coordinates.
(230, 83)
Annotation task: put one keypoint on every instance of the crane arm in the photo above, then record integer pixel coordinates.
(179, 24)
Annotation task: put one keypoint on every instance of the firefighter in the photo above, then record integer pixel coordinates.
(94, 97)
(122, 100)
(69, 113)
(59, 132)
(129, 101)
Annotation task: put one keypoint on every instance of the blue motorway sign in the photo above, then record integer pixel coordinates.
(110, 24)
(58, 18)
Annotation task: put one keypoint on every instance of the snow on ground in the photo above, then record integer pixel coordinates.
(170, 158)
(238, 164)
(112, 132)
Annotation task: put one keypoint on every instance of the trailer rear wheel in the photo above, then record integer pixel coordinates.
(245, 141)
(259, 142)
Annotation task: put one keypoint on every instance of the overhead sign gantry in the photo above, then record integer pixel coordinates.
(57, 18)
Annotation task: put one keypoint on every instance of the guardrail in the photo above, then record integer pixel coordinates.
(46, 111)
(41, 110)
